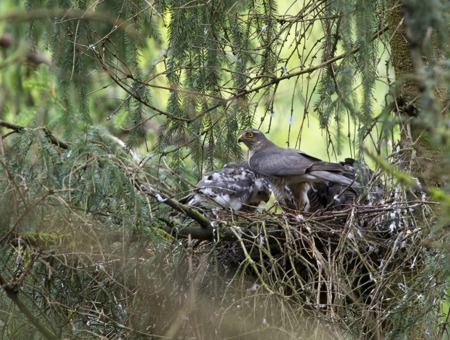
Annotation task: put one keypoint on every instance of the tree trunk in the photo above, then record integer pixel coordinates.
(416, 107)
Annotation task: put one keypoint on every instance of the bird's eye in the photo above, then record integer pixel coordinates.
(249, 134)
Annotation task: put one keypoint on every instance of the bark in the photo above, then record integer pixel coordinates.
(419, 107)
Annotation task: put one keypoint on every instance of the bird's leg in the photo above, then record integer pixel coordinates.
(300, 195)
(274, 206)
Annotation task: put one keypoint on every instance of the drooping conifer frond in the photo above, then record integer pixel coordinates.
(217, 48)
(355, 27)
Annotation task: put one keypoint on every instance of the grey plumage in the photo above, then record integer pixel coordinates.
(234, 186)
(292, 169)
(337, 196)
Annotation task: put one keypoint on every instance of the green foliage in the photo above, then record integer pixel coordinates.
(93, 86)
(355, 28)
(208, 47)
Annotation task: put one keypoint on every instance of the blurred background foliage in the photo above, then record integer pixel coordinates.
(93, 93)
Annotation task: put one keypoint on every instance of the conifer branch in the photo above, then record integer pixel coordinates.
(47, 132)
(185, 209)
(36, 58)
(134, 94)
(241, 93)
(54, 140)
(12, 126)
(12, 292)
(71, 14)
(225, 232)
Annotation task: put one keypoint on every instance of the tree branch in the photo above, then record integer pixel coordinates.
(185, 209)
(11, 291)
(12, 126)
(222, 233)
(35, 58)
(71, 14)
(48, 133)
(240, 94)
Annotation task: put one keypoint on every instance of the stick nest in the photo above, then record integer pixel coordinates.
(365, 268)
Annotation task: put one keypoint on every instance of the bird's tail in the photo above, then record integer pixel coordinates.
(337, 178)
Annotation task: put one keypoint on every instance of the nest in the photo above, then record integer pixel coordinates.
(364, 268)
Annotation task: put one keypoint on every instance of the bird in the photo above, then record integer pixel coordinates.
(331, 195)
(235, 186)
(292, 169)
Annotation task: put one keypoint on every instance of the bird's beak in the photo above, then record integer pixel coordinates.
(241, 138)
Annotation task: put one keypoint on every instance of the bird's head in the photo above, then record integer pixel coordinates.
(251, 138)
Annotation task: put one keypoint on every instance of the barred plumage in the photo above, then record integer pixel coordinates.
(234, 187)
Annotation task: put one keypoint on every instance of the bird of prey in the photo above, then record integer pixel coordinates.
(234, 186)
(332, 195)
(293, 169)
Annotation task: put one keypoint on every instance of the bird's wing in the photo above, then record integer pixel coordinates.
(326, 166)
(233, 186)
(227, 181)
(277, 162)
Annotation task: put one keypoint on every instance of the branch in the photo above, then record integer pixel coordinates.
(223, 233)
(12, 126)
(35, 57)
(54, 140)
(48, 133)
(219, 101)
(185, 209)
(242, 93)
(11, 291)
(181, 231)
(71, 14)
(133, 93)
